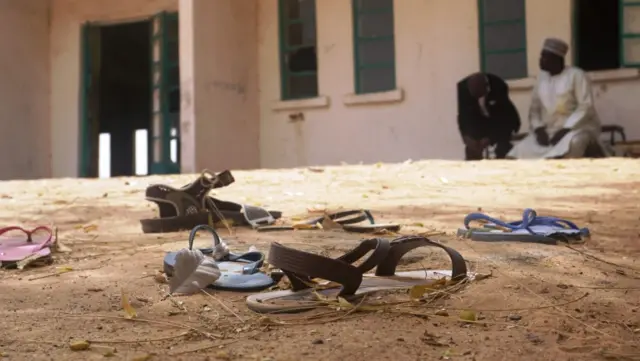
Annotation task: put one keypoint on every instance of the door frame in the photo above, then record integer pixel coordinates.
(85, 137)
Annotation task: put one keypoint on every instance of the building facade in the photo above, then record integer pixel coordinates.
(284, 83)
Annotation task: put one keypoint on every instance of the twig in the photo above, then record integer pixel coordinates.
(58, 273)
(497, 266)
(32, 341)
(516, 309)
(223, 305)
(164, 323)
(203, 348)
(608, 288)
(601, 260)
(139, 341)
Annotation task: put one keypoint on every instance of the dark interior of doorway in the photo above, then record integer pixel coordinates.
(124, 90)
(596, 30)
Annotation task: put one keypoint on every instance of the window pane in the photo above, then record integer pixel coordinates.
(499, 10)
(294, 34)
(299, 9)
(365, 5)
(174, 101)
(507, 36)
(173, 76)
(303, 59)
(631, 19)
(374, 52)
(631, 50)
(173, 52)
(377, 80)
(172, 28)
(303, 86)
(507, 66)
(370, 25)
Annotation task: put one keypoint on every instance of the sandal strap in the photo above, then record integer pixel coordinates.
(346, 217)
(301, 267)
(403, 245)
(189, 199)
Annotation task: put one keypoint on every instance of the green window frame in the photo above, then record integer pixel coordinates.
(503, 38)
(297, 34)
(629, 33)
(372, 40)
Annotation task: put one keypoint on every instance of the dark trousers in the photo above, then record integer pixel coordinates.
(501, 140)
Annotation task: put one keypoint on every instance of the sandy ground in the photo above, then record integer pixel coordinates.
(527, 310)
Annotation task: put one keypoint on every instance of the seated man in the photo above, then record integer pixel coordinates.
(564, 121)
(486, 115)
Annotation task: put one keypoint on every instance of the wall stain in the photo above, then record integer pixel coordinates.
(235, 87)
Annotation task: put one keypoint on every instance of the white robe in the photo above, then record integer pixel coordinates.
(560, 101)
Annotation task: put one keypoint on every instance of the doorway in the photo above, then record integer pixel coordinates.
(130, 98)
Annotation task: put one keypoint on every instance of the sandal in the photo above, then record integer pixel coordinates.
(13, 249)
(238, 272)
(302, 267)
(189, 206)
(532, 228)
(346, 219)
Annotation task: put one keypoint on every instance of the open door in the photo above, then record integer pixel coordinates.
(164, 136)
(89, 101)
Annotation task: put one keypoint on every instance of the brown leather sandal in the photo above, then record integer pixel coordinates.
(189, 206)
(347, 219)
(302, 268)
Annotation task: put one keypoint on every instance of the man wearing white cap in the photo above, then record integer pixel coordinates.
(564, 122)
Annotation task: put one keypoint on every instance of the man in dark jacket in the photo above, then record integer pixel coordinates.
(486, 115)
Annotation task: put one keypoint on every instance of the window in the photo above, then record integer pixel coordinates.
(298, 59)
(374, 46)
(503, 38)
(606, 34)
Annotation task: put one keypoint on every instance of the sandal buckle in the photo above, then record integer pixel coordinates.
(263, 221)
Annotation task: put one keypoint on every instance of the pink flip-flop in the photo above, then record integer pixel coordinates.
(15, 248)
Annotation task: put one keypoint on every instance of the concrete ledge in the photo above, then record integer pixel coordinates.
(392, 96)
(614, 74)
(301, 104)
(595, 76)
(521, 84)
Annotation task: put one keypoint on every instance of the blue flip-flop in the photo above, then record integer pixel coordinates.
(531, 228)
(238, 272)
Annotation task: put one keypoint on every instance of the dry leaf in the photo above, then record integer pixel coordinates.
(64, 269)
(344, 303)
(142, 357)
(79, 345)
(90, 228)
(129, 311)
(468, 315)
(416, 292)
(304, 226)
(225, 223)
(265, 321)
(160, 277)
(223, 355)
(328, 223)
(106, 351)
